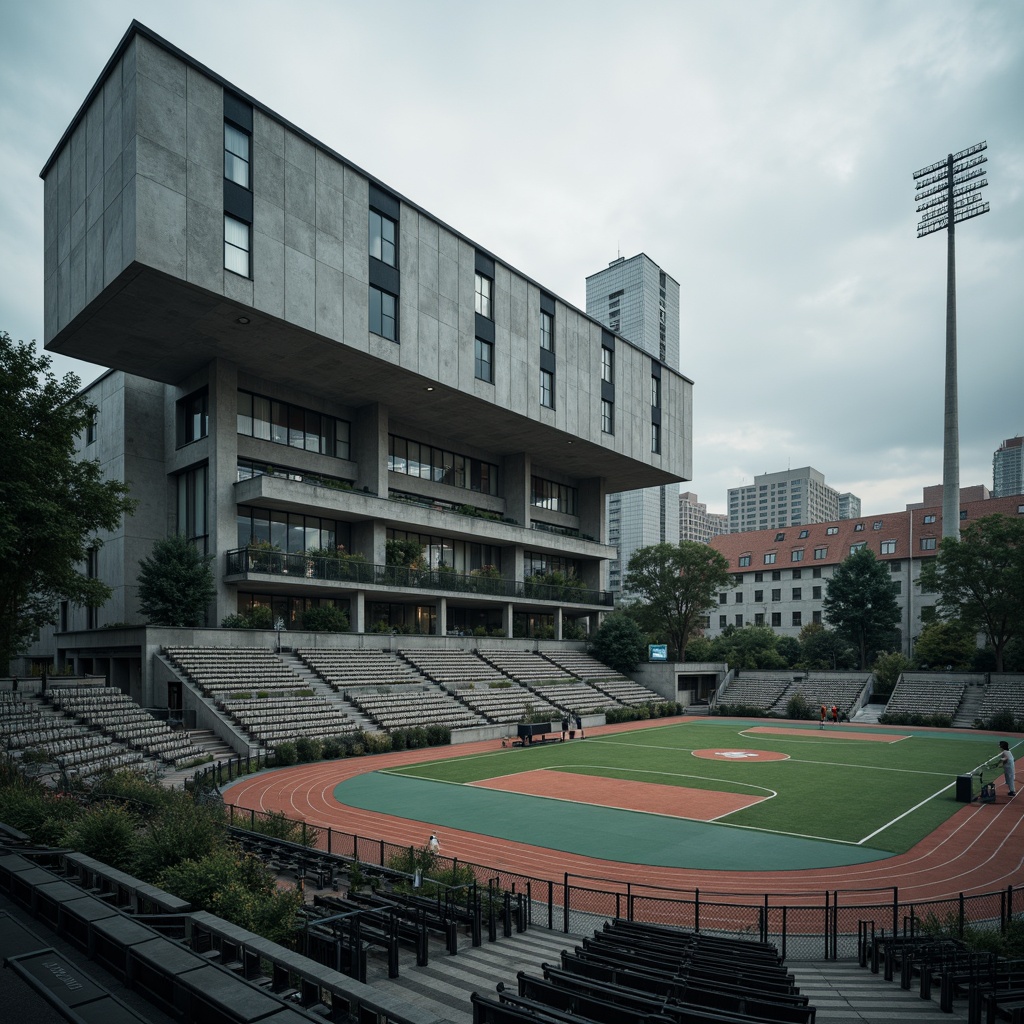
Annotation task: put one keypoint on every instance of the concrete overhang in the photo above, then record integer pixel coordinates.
(121, 330)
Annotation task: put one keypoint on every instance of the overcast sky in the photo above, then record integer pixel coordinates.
(761, 152)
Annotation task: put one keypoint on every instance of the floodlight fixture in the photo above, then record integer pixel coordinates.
(948, 193)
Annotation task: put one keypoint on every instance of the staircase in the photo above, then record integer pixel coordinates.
(314, 682)
(970, 707)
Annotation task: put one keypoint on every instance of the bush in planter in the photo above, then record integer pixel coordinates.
(325, 618)
(308, 749)
(285, 754)
(333, 749)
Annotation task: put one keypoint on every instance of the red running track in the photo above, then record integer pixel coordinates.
(979, 849)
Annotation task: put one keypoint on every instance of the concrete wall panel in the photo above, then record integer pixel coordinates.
(161, 222)
(330, 290)
(299, 288)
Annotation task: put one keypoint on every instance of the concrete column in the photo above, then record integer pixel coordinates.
(357, 612)
(370, 448)
(223, 390)
(441, 626)
(515, 481)
(506, 618)
(558, 623)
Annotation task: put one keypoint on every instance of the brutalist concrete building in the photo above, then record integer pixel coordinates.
(306, 365)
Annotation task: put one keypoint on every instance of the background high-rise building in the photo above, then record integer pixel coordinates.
(849, 506)
(696, 522)
(635, 298)
(786, 499)
(1008, 468)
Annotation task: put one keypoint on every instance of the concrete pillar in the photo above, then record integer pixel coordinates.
(357, 612)
(515, 477)
(441, 625)
(506, 618)
(558, 623)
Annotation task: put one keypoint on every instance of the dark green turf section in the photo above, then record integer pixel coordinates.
(833, 801)
(602, 832)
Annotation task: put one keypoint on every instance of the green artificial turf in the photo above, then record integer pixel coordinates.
(881, 797)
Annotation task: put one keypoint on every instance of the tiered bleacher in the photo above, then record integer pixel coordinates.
(755, 691)
(26, 728)
(414, 706)
(631, 973)
(576, 696)
(523, 666)
(344, 668)
(277, 719)
(625, 691)
(936, 696)
(503, 703)
(114, 713)
(1004, 694)
(450, 668)
(581, 665)
(223, 671)
(842, 693)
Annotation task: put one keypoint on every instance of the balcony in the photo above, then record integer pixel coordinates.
(365, 575)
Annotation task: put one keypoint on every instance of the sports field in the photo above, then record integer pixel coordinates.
(722, 793)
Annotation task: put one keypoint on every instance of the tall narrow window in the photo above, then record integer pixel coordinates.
(383, 236)
(656, 438)
(193, 418)
(607, 364)
(236, 155)
(383, 313)
(484, 361)
(237, 246)
(547, 389)
(192, 520)
(547, 332)
(656, 392)
(607, 416)
(484, 288)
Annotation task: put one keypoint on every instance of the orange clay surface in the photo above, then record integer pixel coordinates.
(979, 849)
(652, 797)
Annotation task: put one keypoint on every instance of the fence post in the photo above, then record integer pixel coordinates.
(696, 910)
(785, 910)
(835, 924)
(895, 911)
(825, 929)
(565, 903)
(960, 923)
(551, 905)
(382, 853)
(764, 920)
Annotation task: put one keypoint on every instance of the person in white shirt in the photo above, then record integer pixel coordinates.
(1005, 761)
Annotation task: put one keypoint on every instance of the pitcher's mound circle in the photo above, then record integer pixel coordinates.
(744, 756)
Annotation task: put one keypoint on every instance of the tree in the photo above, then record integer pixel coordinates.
(748, 647)
(980, 580)
(822, 648)
(52, 504)
(946, 643)
(619, 643)
(676, 584)
(861, 605)
(175, 583)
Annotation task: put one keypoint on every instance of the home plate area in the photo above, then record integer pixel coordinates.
(623, 794)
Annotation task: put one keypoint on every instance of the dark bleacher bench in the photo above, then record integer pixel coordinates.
(425, 917)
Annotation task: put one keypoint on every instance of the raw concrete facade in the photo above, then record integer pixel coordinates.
(427, 440)
(789, 498)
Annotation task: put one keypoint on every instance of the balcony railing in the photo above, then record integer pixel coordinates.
(243, 561)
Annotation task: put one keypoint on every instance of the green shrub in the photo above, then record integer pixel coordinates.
(797, 707)
(285, 754)
(308, 749)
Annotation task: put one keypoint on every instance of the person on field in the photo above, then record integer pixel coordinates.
(435, 846)
(1005, 762)
(824, 715)
(579, 723)
(565, 726)
(835, 715)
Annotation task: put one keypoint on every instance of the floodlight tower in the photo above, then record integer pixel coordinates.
(949, 195)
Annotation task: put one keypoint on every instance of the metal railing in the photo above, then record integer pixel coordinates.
(816, 925)
(298, 566)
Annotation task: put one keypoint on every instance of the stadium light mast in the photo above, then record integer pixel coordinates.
(949, 193)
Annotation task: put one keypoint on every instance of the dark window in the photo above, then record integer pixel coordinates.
(739, 620)
(739, 597)
(656, 438)
(192, 520)
(547, 389)
(237, 246)
(777, 593)
(758, 577)
(816, 618)
(607, 365)
(776, 574)
(816, 593)
(90, 429)
(484, 290)
(797, 618)
(776, 618)
(193, 418)
(797, 573)
(236, 155)
(607, 415)
(383, 237)
(927, 543)
(483, 366)
(383, 313)
(798, 593)
(758, 596)
(723, 598)
(723, 621)
(547, 332)
(744, 559)
(555, 496)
